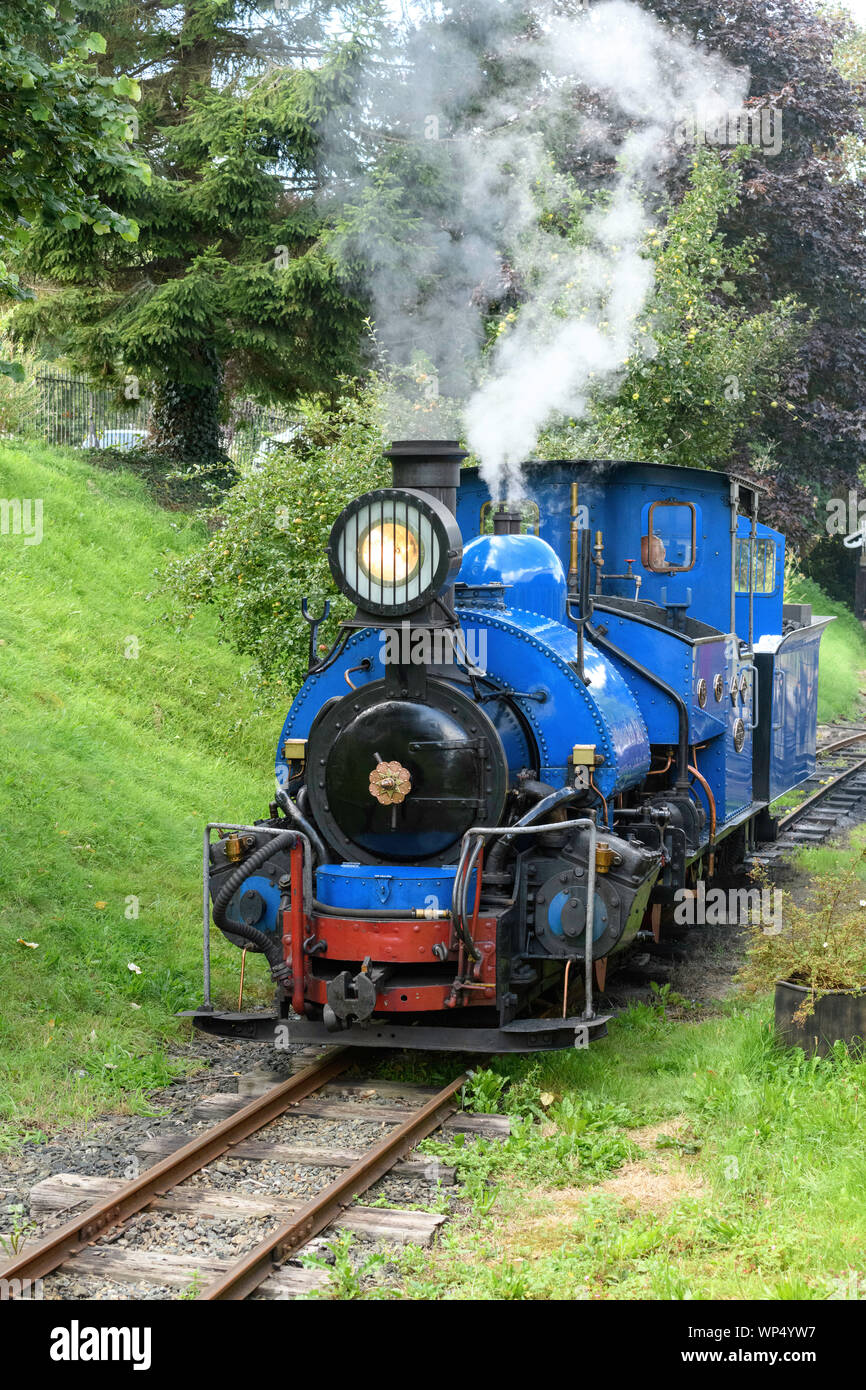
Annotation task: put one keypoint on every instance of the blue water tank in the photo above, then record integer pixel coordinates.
(529, 568)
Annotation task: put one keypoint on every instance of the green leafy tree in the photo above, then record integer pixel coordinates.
(269, 551)
(806, 200)
(229, 282)
(63, 128)
(716, 364)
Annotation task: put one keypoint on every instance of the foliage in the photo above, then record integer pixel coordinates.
(483, 1091)
(349, 1274)
(18, 393)
(62, 125)
(579, 1139)
(716, 362)
(822, 944)
(21, 1228)
(193, 1288)
(807, 204)
(119, 735)
(187, 488)
(269, 551)
(229, 281)
(746, 1179)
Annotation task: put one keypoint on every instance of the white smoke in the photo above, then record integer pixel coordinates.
(577, 331)
(574, 79)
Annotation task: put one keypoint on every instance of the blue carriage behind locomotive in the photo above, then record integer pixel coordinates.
(548, 718)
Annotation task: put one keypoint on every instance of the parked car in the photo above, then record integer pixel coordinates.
(114, 439)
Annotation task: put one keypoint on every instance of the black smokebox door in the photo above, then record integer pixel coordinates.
(450, 750)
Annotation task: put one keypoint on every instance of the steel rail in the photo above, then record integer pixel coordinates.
(72, 1237)
(820, 795)
(840, 743)
(252, 1269)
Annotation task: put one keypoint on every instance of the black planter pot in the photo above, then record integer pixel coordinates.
(836, 1016)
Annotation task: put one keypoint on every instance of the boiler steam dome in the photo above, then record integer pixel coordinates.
(528, 567)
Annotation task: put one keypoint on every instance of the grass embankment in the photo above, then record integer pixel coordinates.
(842, 666)
(119, 737)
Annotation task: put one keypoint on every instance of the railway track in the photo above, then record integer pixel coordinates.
(835, 800)
(178, 1180)
(181, 1181)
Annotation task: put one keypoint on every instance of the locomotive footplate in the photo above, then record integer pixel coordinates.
(523, 1035)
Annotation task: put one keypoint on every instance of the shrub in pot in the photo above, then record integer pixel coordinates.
(816, 962)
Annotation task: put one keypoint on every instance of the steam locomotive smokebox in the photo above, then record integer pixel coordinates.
(428, 465)
(358, 886)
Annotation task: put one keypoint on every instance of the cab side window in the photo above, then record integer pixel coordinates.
(669, 544)
(765, 565)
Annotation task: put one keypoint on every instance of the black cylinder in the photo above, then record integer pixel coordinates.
(428, 465)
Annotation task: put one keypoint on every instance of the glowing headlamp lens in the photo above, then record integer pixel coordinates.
(389, 553)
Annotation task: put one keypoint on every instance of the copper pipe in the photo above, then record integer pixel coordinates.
(243, 968)
(363, 666)
(459, 982)
(479, 868)
(660, 771)
(565, 988)
(712, 804)
(594, 788)
(575, 537)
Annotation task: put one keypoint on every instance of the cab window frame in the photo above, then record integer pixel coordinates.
(748, 583)
(670, 568)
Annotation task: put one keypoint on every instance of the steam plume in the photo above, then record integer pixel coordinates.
(476, 184)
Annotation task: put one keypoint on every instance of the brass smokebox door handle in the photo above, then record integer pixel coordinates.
(390, 783)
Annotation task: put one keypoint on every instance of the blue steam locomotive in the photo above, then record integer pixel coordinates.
(545, 722)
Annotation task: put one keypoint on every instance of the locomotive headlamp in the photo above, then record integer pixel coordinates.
(392, 551)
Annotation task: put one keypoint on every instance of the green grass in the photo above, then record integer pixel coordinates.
(109, 769)
(755, 1187)
(843, 653)
(832, 858)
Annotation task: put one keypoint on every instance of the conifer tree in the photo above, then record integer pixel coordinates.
(63, 126)
(228, 283)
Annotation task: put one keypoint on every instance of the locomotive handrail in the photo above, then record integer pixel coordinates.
(584, 823)
(314, 628)
(754, 670)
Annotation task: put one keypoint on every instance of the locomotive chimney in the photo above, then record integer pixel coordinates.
(428, 465)
(506, 521)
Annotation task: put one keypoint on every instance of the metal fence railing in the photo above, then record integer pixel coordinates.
(62, 408)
